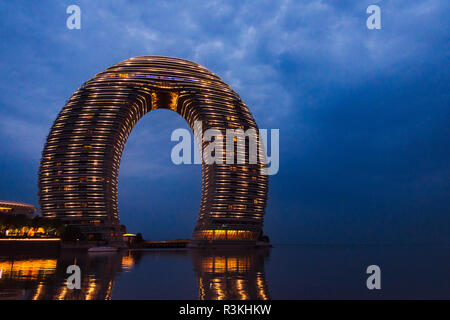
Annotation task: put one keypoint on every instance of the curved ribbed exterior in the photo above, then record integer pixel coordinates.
(80, 161)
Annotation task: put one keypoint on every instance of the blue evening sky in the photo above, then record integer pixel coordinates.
(364, 115)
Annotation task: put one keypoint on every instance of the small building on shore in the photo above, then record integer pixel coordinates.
(130, 238)
(17, 208)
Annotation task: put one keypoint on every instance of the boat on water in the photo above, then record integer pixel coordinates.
(103, 249)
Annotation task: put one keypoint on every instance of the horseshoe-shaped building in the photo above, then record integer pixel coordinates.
(80, 162)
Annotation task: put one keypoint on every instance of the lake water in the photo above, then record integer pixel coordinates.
(283, 272)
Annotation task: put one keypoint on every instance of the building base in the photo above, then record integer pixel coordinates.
(228, 244)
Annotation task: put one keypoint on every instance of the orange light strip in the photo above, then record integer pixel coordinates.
(32, 239)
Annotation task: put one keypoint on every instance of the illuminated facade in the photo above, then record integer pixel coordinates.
(17, 208)
(80, 162)
(20, 223)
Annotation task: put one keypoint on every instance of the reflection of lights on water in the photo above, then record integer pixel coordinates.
(127, 263)
(219, 277)
(237, 277)
(29, 269)
(62, 294)
(242, 290)
(108, 291)
(91, 288)
(201, 289)
(225, 264)
(260, 285)
(38, 291)
(42, 272)
(218, 287)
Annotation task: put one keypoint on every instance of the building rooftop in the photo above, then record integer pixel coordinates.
(16, 204)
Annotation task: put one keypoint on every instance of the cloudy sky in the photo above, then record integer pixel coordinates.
(364, 115)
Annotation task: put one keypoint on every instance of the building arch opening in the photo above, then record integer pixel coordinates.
(157, 198)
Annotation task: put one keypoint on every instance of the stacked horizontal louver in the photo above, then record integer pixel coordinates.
(80, 162)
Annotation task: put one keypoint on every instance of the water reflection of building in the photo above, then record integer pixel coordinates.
(29, 269)
(220, 274)
(45, 279)
(98, 272)
(20, 276)
(231, 275)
